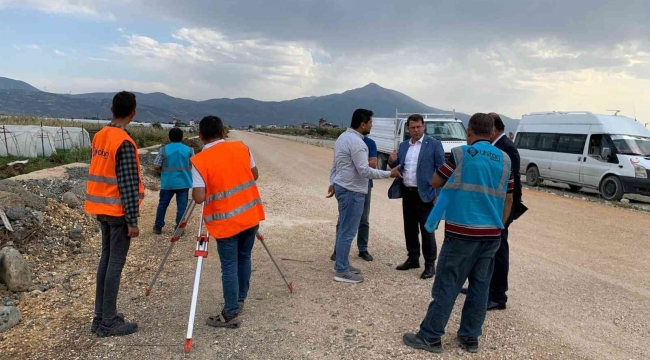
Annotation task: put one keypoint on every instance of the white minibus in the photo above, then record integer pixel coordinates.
(608, 153)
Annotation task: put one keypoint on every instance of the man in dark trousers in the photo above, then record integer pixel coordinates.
(499, 284)
(420, 157)
(114, 193)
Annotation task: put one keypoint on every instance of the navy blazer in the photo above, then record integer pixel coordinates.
(432, 157)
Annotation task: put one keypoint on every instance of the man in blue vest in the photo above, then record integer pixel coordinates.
(475, 204)
(173, 163)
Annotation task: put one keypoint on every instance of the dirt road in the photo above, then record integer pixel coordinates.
(579, 282)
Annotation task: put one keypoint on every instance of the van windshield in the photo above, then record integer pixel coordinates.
(632, 145)
(442, 130)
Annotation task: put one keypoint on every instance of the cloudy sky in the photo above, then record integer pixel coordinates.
(511, 56)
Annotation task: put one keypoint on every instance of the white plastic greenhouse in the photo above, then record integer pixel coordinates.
(34, 141)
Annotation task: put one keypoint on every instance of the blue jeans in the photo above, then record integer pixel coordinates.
(460, 260)
(165, 199)
(350, 211)
(364, 225)
(235, 257)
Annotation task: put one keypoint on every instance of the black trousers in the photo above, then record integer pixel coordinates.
(115, 247)
(499, 282)
(415, 213)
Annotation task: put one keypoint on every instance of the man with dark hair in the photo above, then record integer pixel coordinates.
(232, 212)
(420, 156)
(114, 193)
(173, 163)
(499, 283)
(475, 204)
(364, 227)
(349, 182)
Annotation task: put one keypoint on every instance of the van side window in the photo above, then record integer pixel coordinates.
(571, 143)
(545, 142)
(596, 145)
(526, 140)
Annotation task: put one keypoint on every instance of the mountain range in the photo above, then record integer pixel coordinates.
(20, 98)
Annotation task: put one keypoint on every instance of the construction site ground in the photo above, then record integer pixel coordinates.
(579, 284)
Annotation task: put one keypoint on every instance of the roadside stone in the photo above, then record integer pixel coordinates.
(14, 271)
(9, 317)
(71, 200)
(17, 213)
(35, 293)
(38, 215)
(75, 233)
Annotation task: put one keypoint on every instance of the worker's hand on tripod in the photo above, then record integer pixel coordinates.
(330, 191)
(394, 172)
(133, 231)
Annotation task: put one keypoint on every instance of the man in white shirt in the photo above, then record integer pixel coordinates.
(420, 157)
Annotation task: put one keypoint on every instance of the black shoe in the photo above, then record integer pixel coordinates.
(417, 342)
(463, 291)
(118, 328)
(468, 343)
(408, 264)
(333, 257)
(495, 306)
(366, 256)
(428, 272)
(96, 321)
(157, 230)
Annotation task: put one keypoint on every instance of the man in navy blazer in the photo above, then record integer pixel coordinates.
(420, 157)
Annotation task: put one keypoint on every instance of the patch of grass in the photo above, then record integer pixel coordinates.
(62, 157)
(319, 133)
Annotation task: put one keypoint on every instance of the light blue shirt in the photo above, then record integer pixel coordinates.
(350, 168)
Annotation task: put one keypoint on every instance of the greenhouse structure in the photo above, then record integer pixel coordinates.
(35, 141)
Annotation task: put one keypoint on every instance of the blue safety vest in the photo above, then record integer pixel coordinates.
(475, 193)
(176, 172)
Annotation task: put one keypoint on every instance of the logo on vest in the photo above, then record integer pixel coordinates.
(100, 152)
(472, 151)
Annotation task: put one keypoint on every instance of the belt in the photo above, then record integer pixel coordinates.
(411, 188)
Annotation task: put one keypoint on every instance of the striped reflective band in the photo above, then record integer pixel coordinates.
(102, 179)
(104, 200)
(108, 200)
(235, 212)
(476, 188)
(231, 192)
(176, 169)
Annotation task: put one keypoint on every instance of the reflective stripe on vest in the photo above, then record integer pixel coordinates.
(235, 212)
(231, 192)
(457, 183)
(103, 179)
(108, 200)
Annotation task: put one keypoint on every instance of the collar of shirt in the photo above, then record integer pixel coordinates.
(478, 141)
(119, 126)
(351, 130)
(209, 145)
(419, 141)
(499, 138)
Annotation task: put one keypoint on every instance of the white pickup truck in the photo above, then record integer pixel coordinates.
(388, 133)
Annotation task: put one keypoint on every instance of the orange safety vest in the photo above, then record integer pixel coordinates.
(103, 194)
(232, 202)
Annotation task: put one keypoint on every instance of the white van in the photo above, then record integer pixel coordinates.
(608, 153)
(388, 133)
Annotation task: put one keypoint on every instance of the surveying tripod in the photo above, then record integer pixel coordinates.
(200, 252)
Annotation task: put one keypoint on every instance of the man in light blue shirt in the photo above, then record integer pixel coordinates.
(349, 182)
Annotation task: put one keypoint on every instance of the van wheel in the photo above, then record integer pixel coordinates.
(575, 188)
(611, 188)
(532, 176)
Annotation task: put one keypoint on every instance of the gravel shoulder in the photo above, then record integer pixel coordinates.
(579, 284)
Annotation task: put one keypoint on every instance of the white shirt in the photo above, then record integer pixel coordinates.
(499, 138)
(411, 163)
(197, 179)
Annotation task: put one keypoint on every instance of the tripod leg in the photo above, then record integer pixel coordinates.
(289, 284)
(201, 252)
(177, 235)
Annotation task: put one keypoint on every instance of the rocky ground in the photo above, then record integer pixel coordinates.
(579, 284)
